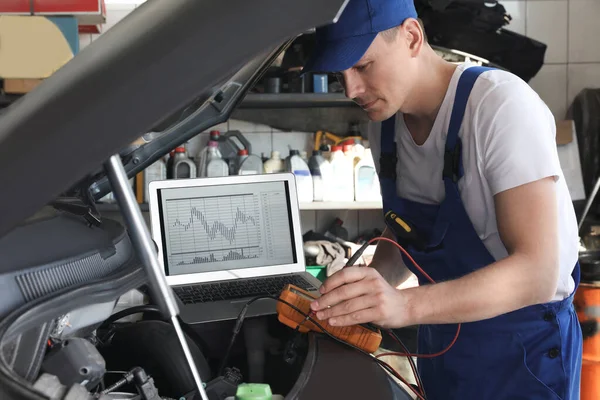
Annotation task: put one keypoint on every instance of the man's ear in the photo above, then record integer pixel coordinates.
(414, 35)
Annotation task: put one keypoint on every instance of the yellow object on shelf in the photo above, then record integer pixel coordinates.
(31, 47)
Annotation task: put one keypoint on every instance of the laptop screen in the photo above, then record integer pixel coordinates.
(226, 227)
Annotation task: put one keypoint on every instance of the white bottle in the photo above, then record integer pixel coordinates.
(274, 164)
(248, 164)
(318, 169)
(366, 181)
(183, 167)
(154, 172)
(204, 156)
(215, 165)
(304, 184)
(342, 176)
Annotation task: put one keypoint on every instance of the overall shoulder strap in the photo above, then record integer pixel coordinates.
(452, 156)
(388, 157)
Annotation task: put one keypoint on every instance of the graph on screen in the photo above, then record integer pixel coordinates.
(214, 229)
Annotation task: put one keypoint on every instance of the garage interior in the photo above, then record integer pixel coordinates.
(123, 333)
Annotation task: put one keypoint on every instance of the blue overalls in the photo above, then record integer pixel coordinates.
(532, 353)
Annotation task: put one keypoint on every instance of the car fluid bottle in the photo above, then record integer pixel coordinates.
(183, 166)
(202, 159)
(318, 167)
(215, 165)
(366, 181)
(154, 172)
(230, 143)
(342, 176)
(170, 161)
(304, 156)
(249, 164)
(274, 164)
(359, 150)
(296, 165)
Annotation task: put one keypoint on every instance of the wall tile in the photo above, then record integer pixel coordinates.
(547, 22)
(223, 127)
(248, 127)
(84, 40)
(115, 13)
(284, 141)
(551, 84)
(308, 219)
(518, 11)
(261, 143)
(581, 76)
(584, 31)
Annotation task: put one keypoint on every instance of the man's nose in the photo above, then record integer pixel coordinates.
(352, 85)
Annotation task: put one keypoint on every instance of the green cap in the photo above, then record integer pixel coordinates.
(253, 391)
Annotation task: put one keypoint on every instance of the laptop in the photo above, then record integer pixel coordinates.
(223, 241)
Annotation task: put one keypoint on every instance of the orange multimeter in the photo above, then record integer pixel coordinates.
(360, 336)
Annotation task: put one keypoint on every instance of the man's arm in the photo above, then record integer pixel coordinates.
(527, 223)
(528, 226)
(387, 260)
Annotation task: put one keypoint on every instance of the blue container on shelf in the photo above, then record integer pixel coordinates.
(320, 83)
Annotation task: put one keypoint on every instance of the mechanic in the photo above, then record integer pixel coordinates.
(468, 157)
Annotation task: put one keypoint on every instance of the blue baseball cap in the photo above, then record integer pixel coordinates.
(342, 44)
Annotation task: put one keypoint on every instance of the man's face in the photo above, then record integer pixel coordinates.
(381, 80)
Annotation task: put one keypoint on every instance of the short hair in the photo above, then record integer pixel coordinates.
(389, 35)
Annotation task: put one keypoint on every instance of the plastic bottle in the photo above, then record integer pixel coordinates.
(342, 176)
(154, 172)
(170, 161)
(248, 164)
(366, 182)
(202, 159)
(304, 156)
(215, 165)
(296, 165)
(183, 167)
(359, 151)
(317, 165)
(274, 164)
(229, 144)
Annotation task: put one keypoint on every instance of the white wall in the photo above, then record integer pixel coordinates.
(570, 29)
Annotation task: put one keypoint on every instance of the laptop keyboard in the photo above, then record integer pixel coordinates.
(230, 290)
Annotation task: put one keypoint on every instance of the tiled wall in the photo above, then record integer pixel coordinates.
(265, 139)
(570, 29)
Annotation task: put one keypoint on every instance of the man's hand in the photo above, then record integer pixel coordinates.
(358, 295)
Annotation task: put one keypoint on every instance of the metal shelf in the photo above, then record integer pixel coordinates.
(295, 100)
(342, 205)
(316, 205)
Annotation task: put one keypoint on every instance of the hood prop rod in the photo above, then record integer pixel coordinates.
(146, 251)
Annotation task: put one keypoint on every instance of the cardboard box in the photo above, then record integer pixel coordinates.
(87, 12)
(35, 47)
(565, 130)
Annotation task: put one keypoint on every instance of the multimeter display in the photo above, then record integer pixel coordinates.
(363, 337)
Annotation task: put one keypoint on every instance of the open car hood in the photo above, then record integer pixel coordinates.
(167, 56)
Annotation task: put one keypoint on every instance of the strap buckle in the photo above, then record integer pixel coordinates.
(452, 162)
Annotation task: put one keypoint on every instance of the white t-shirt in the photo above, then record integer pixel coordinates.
(508, 137)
